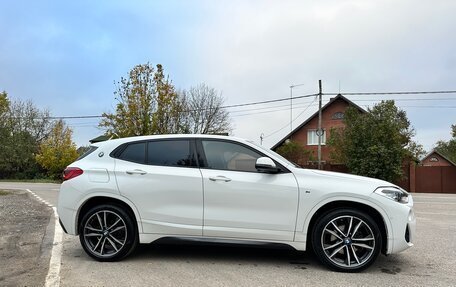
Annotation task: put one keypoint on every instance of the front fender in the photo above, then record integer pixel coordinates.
(303, 225)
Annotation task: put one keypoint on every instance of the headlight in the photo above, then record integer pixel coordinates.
(393, 193)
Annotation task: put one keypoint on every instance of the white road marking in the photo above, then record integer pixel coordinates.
(53, 276)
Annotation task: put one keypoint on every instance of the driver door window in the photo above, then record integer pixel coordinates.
(229, 156)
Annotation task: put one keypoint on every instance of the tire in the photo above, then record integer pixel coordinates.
(346, 240)
(108, 233)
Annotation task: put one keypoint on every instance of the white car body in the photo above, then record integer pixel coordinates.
(228, 205)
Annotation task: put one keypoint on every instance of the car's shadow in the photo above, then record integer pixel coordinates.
(179, 249)
(267, 255)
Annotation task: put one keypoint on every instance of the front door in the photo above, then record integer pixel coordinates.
(239, 201)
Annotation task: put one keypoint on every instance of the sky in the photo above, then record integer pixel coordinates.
(66, 55)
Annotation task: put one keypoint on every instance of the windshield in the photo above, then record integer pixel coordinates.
(275, 154)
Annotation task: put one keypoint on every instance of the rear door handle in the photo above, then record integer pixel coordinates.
(220, 177)
(136, 171)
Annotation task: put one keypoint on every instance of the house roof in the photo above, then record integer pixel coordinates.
(339, 96)
(439, 154)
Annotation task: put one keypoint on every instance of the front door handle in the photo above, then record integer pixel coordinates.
(220, 177)
(136, 171)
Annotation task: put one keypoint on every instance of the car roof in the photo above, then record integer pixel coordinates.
(117, 142)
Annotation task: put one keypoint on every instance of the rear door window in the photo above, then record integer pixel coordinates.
(171, 153)
(134, 152)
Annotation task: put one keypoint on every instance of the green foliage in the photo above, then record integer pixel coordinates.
(22, 127)
(376, 143)
(58, 150)
(448, 148)
(295, 152)
(148, 103)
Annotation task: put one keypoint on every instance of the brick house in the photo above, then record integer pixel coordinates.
(332, 117)
(435, 158)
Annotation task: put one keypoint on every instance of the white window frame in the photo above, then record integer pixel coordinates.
(312, 137)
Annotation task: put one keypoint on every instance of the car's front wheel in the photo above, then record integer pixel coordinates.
(346, 240)
(108, 233)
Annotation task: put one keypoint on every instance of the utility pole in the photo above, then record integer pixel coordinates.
(319, 130)
(291, 104)
(261, 138)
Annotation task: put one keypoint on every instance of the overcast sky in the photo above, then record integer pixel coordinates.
(65, 56)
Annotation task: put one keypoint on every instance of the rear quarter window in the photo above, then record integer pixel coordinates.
(90, 150)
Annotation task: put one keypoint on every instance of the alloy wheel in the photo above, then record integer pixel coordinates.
(105, 233)
(348, 241)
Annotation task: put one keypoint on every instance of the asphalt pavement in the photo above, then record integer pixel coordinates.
(181, 263)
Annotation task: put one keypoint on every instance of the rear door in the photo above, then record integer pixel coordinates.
(162, 179)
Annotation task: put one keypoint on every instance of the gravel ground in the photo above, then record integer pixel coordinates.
(25, 239)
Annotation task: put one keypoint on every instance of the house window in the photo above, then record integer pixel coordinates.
(338, 116)
(434, 159)
(312, 137)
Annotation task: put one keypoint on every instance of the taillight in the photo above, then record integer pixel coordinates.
(71, 172)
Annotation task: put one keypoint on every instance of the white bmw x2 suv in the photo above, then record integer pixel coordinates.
(136, 190)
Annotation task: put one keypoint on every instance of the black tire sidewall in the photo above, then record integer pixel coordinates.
(132, 234)
(325, 219)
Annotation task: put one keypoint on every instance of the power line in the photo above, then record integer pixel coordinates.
(267, 102)
(273, 133)
(393, 93)
(414, 99)
(287, 99)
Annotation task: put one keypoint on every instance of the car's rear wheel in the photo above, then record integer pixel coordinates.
(346, 240)
(108, 233)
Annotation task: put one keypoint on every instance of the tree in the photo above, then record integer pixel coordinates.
(22, 127)
(448, 148)
(148, 104)
(376, 143)
(295, 152)
(205, 112)
(58, 150)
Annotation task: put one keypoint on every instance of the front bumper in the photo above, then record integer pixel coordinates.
(402, 223)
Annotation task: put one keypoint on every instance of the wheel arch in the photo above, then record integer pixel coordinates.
(99, 199)
(377, 214)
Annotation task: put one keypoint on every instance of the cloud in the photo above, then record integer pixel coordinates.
(61, 53)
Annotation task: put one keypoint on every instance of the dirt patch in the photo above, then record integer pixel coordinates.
(24, 248)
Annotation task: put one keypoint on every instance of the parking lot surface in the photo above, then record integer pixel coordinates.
(180, 263)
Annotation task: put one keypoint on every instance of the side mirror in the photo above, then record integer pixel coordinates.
(266, 165)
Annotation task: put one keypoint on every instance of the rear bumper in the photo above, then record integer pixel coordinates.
(63, 227)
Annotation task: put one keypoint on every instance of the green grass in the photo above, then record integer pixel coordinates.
(4, 192)
(38, 180)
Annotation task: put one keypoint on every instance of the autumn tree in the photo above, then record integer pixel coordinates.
(58, 150)
(205, 111)
(147, 104)
(376, 143)
(448, 148)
